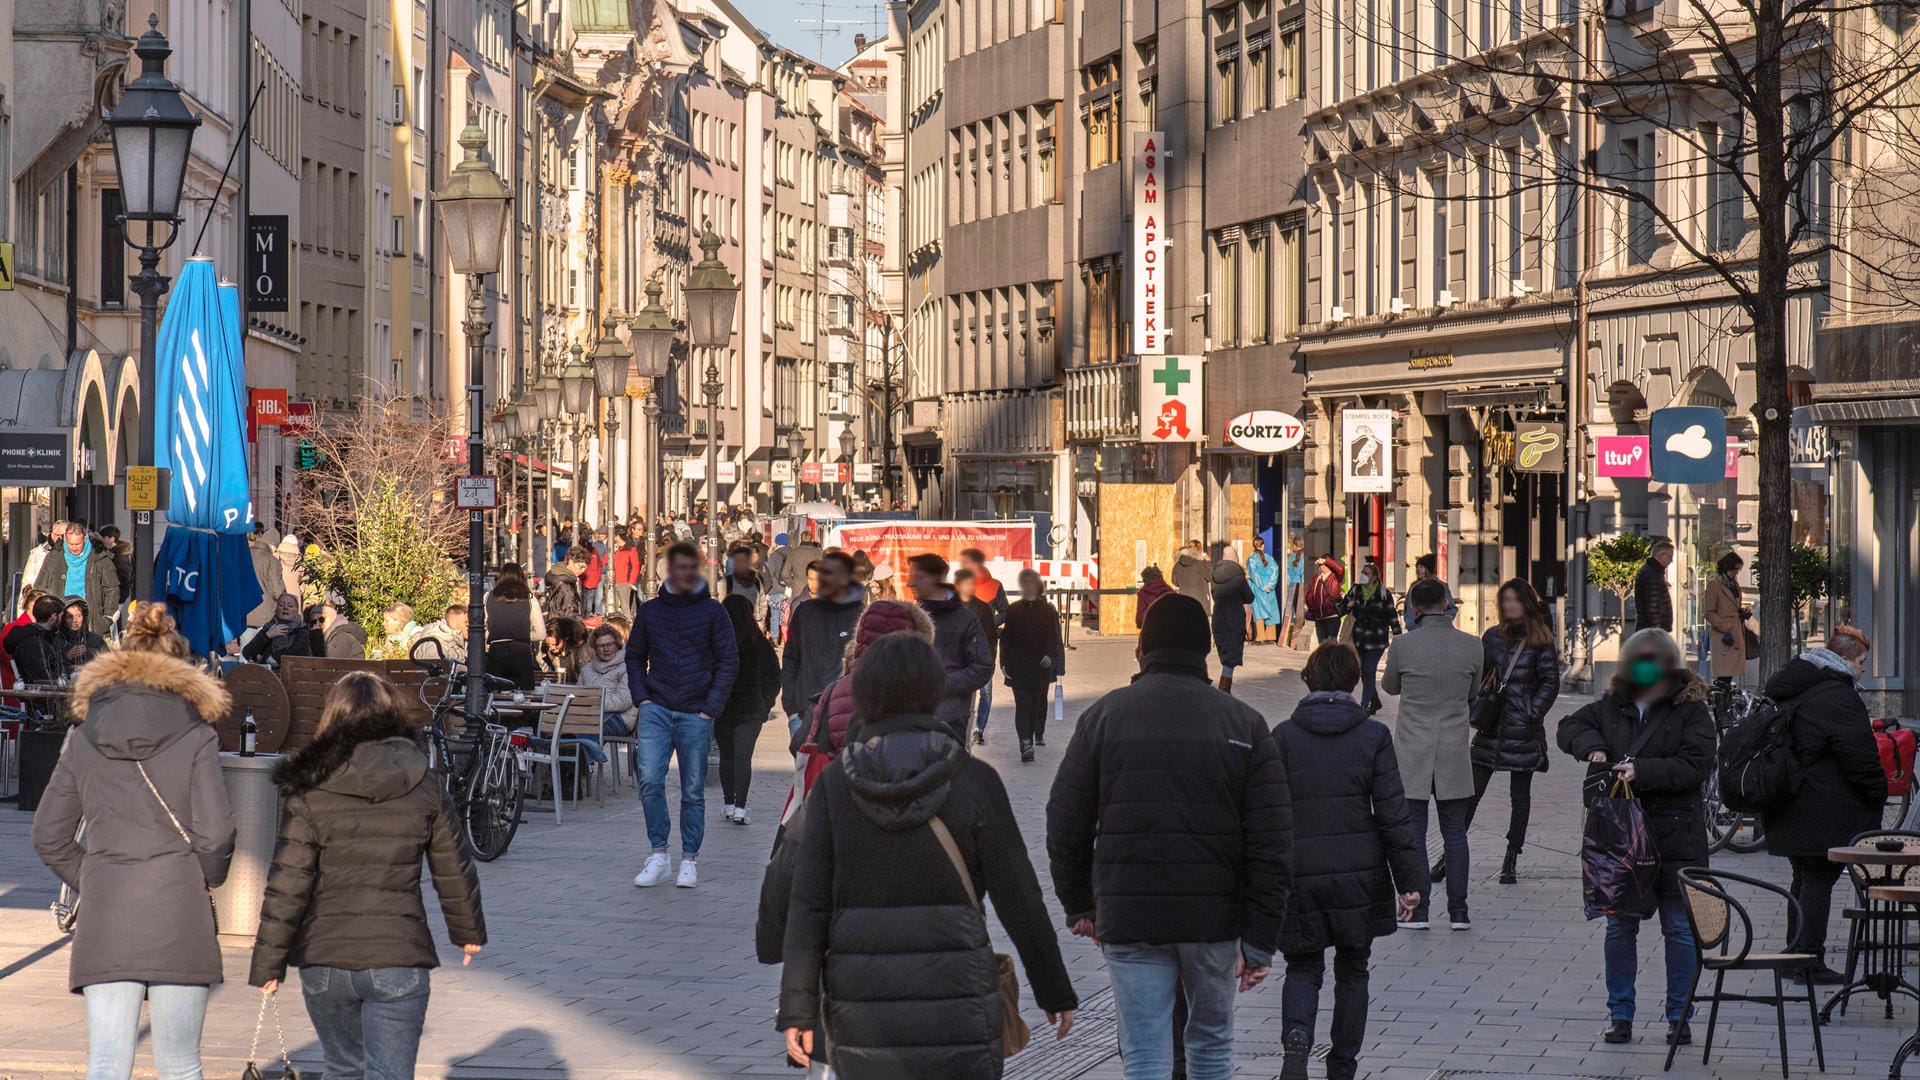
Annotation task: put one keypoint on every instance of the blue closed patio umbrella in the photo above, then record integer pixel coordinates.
(204, 572)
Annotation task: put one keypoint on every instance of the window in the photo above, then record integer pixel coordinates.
(1483, 229)
(1226, 290)
(397, 236)
(1636, 169)
(1226, 83)
(1047, 140)
(1150, 103)
(1103, 139)
(113, 251)
(1259, 72)
(1293, 273)
(1104, 331)
(1439, 272)
(1515, 242)
(1293, 63)
(1259, 287)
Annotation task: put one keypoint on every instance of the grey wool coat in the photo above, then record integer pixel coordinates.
(144, 913)
(1434, 668)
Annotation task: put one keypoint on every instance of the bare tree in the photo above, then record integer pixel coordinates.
(1775, 120)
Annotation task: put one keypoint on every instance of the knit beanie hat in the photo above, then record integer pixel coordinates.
(1179, 622)
(883, 618)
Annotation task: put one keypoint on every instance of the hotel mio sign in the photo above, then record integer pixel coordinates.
(1151, 331)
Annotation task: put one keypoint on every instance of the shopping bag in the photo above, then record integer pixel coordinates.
(1059, 705)
(1619, 865)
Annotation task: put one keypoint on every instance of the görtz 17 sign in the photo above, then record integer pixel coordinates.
(1265, 431)
(1150, 328)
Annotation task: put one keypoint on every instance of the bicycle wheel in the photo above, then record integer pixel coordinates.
(493, 808)
(1747, 836)
(1894, 816)
(1722, 823)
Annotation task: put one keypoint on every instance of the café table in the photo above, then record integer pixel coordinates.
(1883, 933)
(1902, 896)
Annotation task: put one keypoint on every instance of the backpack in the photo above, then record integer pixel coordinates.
(1757, 767)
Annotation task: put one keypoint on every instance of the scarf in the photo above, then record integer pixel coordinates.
(1827, 658)
(77, 567)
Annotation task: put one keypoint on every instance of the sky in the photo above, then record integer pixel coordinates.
(781, 21)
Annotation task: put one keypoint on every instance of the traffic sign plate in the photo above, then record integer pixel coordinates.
(476, 493)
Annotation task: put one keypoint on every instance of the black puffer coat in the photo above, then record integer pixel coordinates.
(1231, 595)
(1842, 787)
(1519, 744)
(1353, 841)
(1652, 598)
(880, 925)
(1182, 788)
(1670, 768)
(344, 890)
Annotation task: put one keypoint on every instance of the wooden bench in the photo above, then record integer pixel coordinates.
(308, 678)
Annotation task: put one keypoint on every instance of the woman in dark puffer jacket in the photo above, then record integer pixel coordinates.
(1356, 862)
(884, 940)
(343, 899)
(1517, 746)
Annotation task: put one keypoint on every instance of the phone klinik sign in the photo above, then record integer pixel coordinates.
(1150, 327)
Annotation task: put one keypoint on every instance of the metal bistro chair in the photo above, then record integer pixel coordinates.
(556, 741)
(613, 744)
(1879, 935)
(1716, 917)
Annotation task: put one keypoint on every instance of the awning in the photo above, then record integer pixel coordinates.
(523, 461)
(1901, 410)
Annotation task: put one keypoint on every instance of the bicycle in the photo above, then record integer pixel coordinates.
(1728, 830)
(482, 772)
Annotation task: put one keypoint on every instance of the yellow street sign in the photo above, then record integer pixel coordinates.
(143, 487)
(6, 267)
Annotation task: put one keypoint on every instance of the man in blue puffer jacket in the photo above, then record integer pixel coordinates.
(681, 663)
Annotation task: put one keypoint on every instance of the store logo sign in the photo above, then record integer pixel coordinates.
(1624, 456)
(1265, 431)
(1689, 445)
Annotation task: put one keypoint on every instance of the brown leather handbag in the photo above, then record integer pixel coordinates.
(1014, 1034)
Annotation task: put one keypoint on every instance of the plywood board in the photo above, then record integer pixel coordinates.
(1139, 527)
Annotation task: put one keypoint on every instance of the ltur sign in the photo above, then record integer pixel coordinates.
(1151, 331)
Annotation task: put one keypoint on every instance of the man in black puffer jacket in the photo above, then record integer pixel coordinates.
(1189, 882)
(1843, 789)
(818, 633)
(1652, 596)
(1356, 862)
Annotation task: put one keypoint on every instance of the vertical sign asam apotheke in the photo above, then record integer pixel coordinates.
(1150, 327)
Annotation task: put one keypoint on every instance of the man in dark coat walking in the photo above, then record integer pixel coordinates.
(1652, 596)
(1188, 885)
(681, 664)
(957, 637)
(1356, 863)
(1843, 789)
(818, 633)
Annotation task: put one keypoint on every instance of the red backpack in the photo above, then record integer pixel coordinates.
(1896, 746)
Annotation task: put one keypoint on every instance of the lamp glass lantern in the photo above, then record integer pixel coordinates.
(152, 131)
(527, 410)
(577, 384)
(652, 336)
(510, 421)
(546, 393)
(611, 359)
(473, 208)
(712, 294)
(846, 442)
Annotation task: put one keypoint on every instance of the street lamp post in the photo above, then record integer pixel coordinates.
(611, 359)
(847, 441)
(473, 211)
(652, 359)
(546, 396)
(576, 392)
(152, 131)
(711, 295)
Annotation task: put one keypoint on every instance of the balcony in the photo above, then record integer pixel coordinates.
(1103, 401)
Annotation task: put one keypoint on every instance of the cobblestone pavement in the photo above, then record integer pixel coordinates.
(588, 977)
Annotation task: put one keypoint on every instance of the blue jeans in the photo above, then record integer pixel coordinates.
(1144, 980)
(776, 614)
(984, 707)
(368, 1021)
(176, 1014)
(663, 734)
(1623, 958)
(590, 601)
(1454, 815)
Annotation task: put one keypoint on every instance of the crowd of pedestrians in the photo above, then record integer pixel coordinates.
(1196, 845)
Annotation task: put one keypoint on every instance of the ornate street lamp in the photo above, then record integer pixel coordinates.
(576, 393)
(152, 131)
(611, 360)
(712, 294)
(473, 213)
(652, 360)
(847, 441)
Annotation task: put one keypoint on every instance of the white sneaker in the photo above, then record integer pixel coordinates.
(740, 816)
(689, 874)
(655, 870)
